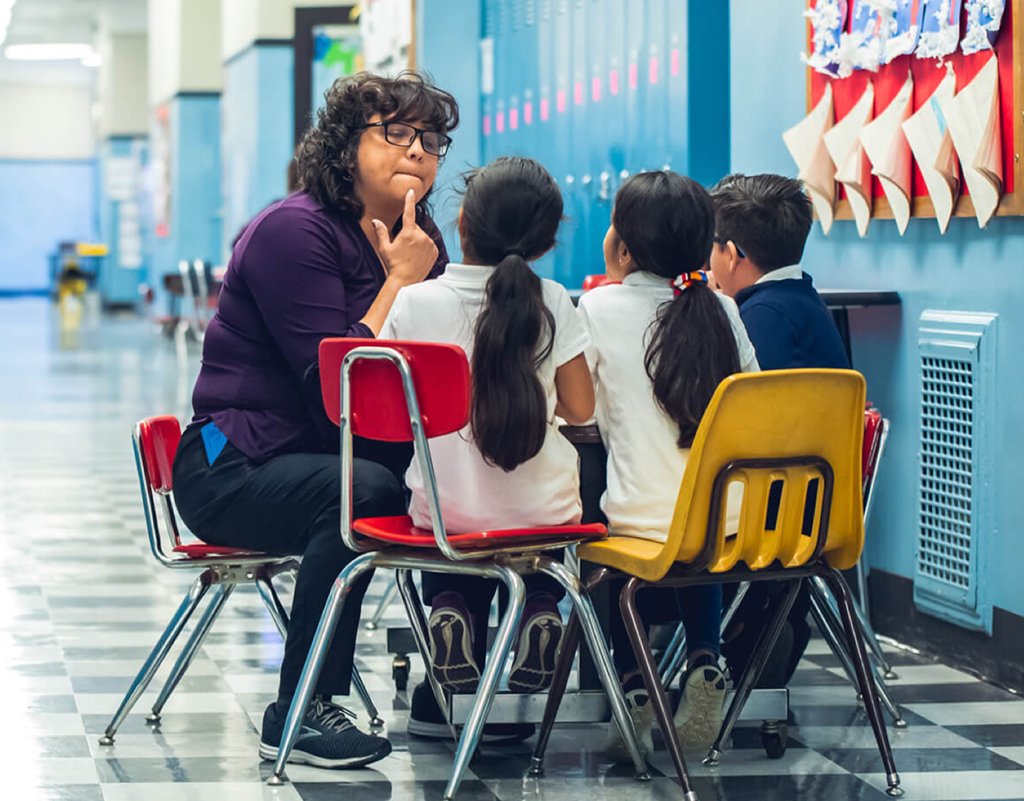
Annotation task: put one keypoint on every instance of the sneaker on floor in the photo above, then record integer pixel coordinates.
(699, 716)
(426, 721)
(450, 633)
(642, 713)
(327, 739)
(536, 650)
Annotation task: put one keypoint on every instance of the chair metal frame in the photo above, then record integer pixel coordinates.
(222, 572)
(503, 564)
(695, 573)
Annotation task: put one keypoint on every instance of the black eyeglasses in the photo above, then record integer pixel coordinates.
(403, 135)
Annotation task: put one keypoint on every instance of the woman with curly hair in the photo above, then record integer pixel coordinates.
(257, 467)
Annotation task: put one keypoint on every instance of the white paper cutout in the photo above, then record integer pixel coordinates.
(941, 32)
(827, 20)
(984, 18)
(844, 145)
(889, 152)
(909, 21)
(806, 144)
(974, 123)
(872, 23)
(933, 149)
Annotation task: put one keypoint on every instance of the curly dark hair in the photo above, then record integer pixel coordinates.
(328, 151)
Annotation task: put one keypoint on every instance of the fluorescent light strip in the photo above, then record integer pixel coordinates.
(48, 52)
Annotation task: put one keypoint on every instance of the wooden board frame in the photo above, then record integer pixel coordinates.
(1012, 204)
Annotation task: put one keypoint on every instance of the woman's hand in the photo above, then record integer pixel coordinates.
(409, 258)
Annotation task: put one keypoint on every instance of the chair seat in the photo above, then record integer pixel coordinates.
(200, 550)
(401, 531)
(633, 555)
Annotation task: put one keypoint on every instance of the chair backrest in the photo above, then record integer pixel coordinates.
(594, 281)
(793, 439)
(440, 375)
(156, 441)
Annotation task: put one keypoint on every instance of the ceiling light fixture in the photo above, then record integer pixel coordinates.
(47, 52)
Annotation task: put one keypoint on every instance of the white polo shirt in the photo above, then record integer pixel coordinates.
(475, 496)
(645, 463)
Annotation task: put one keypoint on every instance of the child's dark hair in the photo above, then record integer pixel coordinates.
(667, 223)
(767, 216)
(511, 211)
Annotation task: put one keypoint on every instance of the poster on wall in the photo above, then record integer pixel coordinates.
(386, 30)
(337, 52)
(161, 171)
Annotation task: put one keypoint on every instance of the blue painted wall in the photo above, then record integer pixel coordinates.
(118, 284)
(42, 203)
(967, 269)
(257, 108)
(194, 230)
(447, 35)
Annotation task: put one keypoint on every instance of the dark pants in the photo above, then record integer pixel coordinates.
(288, 505)
(699, 608)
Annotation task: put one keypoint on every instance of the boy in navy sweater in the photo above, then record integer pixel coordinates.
(762, 223)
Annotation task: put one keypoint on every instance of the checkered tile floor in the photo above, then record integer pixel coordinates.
(83, 602)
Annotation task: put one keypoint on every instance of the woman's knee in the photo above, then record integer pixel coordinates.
(376, 491)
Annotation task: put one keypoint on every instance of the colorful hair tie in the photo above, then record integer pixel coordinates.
(686, 280)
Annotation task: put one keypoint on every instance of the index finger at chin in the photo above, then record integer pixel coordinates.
(409, 216)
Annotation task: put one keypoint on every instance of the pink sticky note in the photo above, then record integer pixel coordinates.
(675, 61)
(613, 82)
(487, 124)
(577, 93)
(544, 108)
(560, 101)
(501, 122)
(513, 118)
(632, 76)
(595, 89)
(527, 113)
(654, 70)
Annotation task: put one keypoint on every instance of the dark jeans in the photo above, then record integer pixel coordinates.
(699, 608)
(288, 505)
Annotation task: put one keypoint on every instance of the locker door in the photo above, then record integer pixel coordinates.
(635, 89)
(677, 75)
(488, 57)
(503, 64)
(542, 123)
(581, 108)
(656, 99)
(617, 58)
(561, 146)
(598, 189)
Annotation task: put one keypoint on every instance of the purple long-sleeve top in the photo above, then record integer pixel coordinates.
(297, 274)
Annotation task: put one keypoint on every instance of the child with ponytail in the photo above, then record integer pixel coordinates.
(510, 467)
(661, 342)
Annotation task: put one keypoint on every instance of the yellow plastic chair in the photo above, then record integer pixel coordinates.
(792, 439)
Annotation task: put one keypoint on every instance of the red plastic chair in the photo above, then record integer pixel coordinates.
(155, 440)
(594, 281)
(415, 391)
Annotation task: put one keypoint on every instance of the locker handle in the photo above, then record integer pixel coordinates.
(604, 195)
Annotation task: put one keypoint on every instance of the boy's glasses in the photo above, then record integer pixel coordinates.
(402, 134)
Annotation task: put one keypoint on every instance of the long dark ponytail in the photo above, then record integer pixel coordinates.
(667, 223)
(510, 215)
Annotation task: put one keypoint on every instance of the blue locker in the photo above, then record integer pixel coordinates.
(615, 107)
(488, 65)
(560, 133)
(542, 124)
(676, 79)
(656, 99)
(635, 89)
(599, 170)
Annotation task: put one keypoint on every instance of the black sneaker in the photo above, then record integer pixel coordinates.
(327, 738)
(540, 636)
(426, 721)
(450, 634)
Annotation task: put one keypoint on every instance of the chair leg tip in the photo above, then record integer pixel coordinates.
(711, 760)
(536, 767)
(277, 781)
(899, 723)
(894, 792)
(891, 675)
(643, 777)
(376, 723)
(370, 626)
(153, 717)
(107, 739)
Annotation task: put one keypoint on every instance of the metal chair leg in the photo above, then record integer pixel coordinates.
(673, 652)
(315, 661)
(389, 596)
(156, 657)
(191, 649)
(831, 628)
(602, 659)
(762, 650)
(371, 709)
(864, 624)
(655, 689)
(418, 622)
(489, 681)
(271, 600)
(560, 679)
(842, 595)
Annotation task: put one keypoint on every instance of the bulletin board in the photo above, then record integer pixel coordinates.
(1009, 49)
